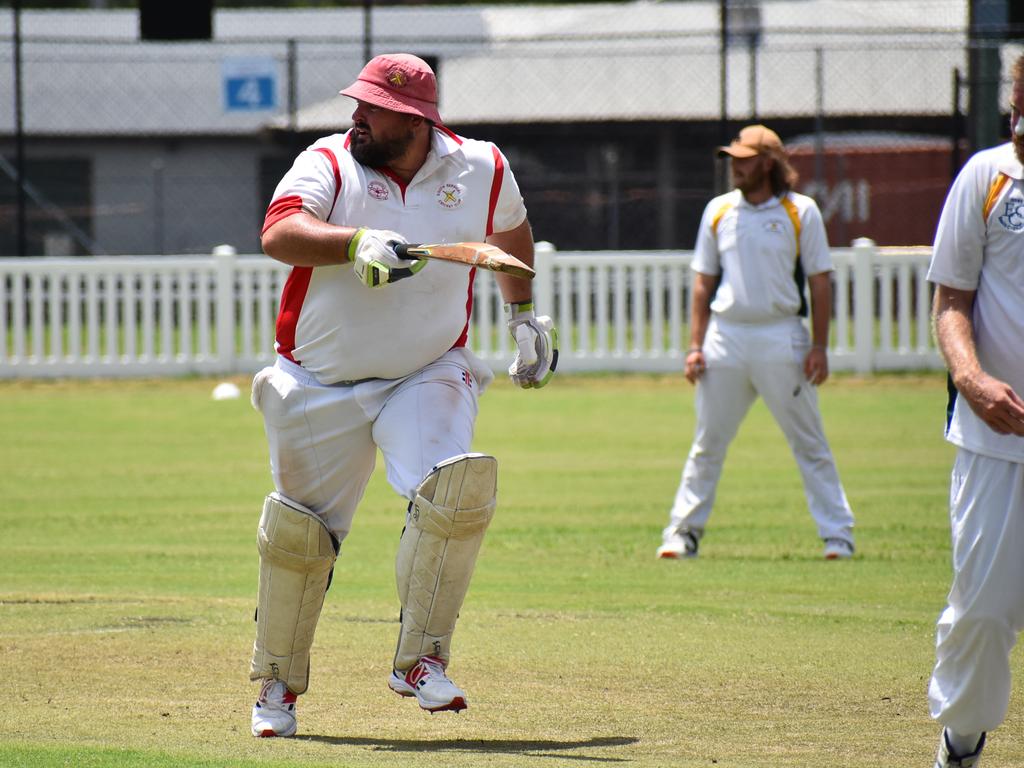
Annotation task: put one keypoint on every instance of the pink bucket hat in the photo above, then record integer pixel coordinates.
(400, 82)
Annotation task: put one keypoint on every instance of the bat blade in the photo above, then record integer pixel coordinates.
(482, 255)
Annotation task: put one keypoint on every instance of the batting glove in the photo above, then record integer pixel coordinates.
(372, 252)
(537, 343)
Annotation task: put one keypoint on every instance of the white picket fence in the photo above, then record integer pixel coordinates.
(615, 311)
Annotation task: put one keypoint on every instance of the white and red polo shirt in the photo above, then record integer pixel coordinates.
(341, 330)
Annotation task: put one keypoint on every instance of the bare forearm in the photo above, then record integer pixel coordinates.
(304, 241)
(700, 313)
(954, 334)
(517, 242)
(821, 308)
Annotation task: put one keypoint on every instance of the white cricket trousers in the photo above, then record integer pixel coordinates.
(323, 439)
(744, 361)
(969, 690)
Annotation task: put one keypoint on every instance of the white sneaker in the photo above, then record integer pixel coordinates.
(947, 758)
(838, 549)
(432, 688)
(678, 544)
(273, 714)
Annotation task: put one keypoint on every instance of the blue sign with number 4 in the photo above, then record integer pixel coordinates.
(250, 84)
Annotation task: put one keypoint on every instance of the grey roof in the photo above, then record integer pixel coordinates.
(866, 141)
(87, 72)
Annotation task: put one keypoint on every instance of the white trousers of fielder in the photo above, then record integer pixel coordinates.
(323, 439)
(745, 361)
(969, 690)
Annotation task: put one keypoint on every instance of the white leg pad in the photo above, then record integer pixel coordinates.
(296, 556)
(453, 507)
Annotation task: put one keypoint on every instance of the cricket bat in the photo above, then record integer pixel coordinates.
(483, 255)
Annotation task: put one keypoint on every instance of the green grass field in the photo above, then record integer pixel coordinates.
(128, 572)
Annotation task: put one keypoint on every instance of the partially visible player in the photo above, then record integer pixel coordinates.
(978, 268)
(372, 355)
(754, 248)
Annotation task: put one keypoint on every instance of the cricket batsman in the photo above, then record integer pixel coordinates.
(372, 355)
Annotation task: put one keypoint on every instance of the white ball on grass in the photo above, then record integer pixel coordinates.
(226, 391)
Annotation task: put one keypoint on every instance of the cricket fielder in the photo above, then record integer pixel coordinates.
(757, 246)
(372, 355)
(978, 270)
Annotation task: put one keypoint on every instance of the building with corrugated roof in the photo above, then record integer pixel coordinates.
(608, 112)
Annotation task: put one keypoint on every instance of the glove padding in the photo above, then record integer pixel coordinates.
(537, 343)
(372, 253)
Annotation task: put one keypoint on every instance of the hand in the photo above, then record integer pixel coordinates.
(537, 343)
(816, 365)
(695, 365)
(372, 252)
(995, 402)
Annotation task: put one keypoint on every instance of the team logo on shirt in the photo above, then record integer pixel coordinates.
(1012, 218)
(775, 226)
(450, 195)
(377, 190)
(467, 379)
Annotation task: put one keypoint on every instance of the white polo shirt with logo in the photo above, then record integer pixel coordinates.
(754, 248)
(341, 330)
(979, 246)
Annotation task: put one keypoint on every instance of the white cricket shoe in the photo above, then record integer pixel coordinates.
(947, 758)
(432, 688)
(838, 549)
(677, 544)
(273, 714)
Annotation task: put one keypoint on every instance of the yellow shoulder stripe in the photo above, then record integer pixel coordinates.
(993, 194)
(718, 217)
(794, 216)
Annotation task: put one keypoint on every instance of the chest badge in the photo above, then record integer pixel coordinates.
(774, 226)
(1012, 217)
(450, 195)
(378, 190)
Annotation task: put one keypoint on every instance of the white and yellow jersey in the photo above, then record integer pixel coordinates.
(340, 330)
(979, 246)
(762, 254)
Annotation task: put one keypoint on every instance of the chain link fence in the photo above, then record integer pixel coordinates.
(609, 113)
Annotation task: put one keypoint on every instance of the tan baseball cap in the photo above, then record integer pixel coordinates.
(400, 82)
(753, 140)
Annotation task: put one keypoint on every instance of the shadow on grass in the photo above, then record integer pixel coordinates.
(524, 747)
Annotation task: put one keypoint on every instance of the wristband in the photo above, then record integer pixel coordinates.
(691, 350)
(353, 243)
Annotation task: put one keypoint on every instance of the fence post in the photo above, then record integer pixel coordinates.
(864, 254)
(544, 280)
(224, 272)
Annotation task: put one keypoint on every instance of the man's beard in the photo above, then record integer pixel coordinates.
(378, 154)
(1018, 147)
(752, 181)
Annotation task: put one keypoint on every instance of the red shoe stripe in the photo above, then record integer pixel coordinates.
(455, 705)
(417, 673)
(421, 670)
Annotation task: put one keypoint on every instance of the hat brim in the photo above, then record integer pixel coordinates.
(361, 90)
(738, 150)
